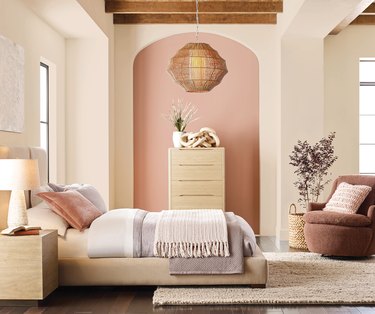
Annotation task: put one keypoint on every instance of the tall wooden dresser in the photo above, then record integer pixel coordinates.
(197, 178)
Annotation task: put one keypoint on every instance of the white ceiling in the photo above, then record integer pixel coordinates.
(317, 18)
(67, 17)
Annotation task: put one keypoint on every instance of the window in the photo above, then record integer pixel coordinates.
(44, 108)
(367, 116)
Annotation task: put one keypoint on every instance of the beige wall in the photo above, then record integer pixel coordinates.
(75, 37)
(90, 133)
(303, 109)
(87, 138)
(40, 43)
(302, 114)
(95, 8)
(342, 54)
(88, 32)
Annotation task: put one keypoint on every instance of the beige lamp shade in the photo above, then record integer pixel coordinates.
(197, 67)
(17, 175)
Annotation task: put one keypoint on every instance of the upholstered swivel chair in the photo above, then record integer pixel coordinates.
(341, 234)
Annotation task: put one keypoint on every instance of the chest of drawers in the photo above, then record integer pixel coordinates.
(197, 178)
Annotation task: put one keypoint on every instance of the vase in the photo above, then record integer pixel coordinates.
(176, 139)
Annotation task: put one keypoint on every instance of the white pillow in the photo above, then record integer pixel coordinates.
(35, 199)
(87, 190)
(347, 198)
(45, 218)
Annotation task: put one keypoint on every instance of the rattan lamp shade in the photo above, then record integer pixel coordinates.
(197, 67)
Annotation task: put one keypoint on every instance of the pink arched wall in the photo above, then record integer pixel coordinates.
(231, 108)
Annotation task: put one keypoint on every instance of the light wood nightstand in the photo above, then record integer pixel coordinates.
(28, 266)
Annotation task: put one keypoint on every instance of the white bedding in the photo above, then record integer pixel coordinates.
(129, 233)
(75, 243)
(111, 235)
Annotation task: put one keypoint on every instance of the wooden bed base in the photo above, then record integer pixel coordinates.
(152, 272)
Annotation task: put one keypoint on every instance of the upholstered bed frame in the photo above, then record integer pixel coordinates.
(128, 271)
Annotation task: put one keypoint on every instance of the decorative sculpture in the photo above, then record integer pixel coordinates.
(206, 137)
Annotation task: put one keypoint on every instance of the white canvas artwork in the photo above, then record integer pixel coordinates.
(12, 61)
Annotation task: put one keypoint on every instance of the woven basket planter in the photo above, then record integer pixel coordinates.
(296, 225)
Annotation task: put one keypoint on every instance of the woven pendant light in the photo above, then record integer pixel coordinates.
(197, 67)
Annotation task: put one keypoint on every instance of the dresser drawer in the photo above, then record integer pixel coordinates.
(196, 202)
(203, 156)
(197, 188)
(196, 172)
(197, 178)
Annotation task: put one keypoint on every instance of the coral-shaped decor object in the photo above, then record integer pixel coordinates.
(206, 137)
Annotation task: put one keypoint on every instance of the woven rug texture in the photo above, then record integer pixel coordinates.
(294, 278)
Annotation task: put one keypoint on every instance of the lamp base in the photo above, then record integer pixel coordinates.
(17, 215)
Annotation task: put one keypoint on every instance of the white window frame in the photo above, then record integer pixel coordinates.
(362, 144)
(45, 122)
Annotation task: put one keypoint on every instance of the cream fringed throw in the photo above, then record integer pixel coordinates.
(191, 233)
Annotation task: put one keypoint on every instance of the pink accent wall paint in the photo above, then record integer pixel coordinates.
(231, 108)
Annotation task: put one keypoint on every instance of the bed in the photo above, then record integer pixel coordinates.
(77, 269)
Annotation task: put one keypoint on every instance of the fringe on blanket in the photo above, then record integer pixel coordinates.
(189, 250)
(191, 233)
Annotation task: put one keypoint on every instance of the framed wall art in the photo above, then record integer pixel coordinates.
(12, 60)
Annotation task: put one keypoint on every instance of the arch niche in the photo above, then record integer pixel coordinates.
(231, 108)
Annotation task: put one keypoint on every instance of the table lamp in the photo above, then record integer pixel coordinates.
(18, 175)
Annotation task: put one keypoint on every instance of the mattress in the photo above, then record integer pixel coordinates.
(74, 244)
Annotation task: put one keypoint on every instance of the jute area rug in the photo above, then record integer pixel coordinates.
(294, 278)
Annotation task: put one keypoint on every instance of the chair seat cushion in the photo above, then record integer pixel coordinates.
(334, 218)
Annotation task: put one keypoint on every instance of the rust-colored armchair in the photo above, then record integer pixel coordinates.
(341, 234)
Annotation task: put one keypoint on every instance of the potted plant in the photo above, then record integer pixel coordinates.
(180, 115)
(312, 163)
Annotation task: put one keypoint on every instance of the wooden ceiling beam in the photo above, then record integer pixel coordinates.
(217, 6)
(364, 19)
(362, 6)
(370, 9)
(190, 19)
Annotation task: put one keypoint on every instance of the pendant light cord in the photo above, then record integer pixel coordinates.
(197, 20)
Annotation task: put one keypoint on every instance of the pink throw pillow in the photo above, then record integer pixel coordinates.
(73, 207)
(347, 198)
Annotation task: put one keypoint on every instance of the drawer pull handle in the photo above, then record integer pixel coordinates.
(196, 195)
(194, 165)
(203, 180)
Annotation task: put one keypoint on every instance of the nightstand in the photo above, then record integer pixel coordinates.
(28, 266)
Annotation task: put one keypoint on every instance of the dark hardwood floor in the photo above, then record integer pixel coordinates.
(138, 300)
